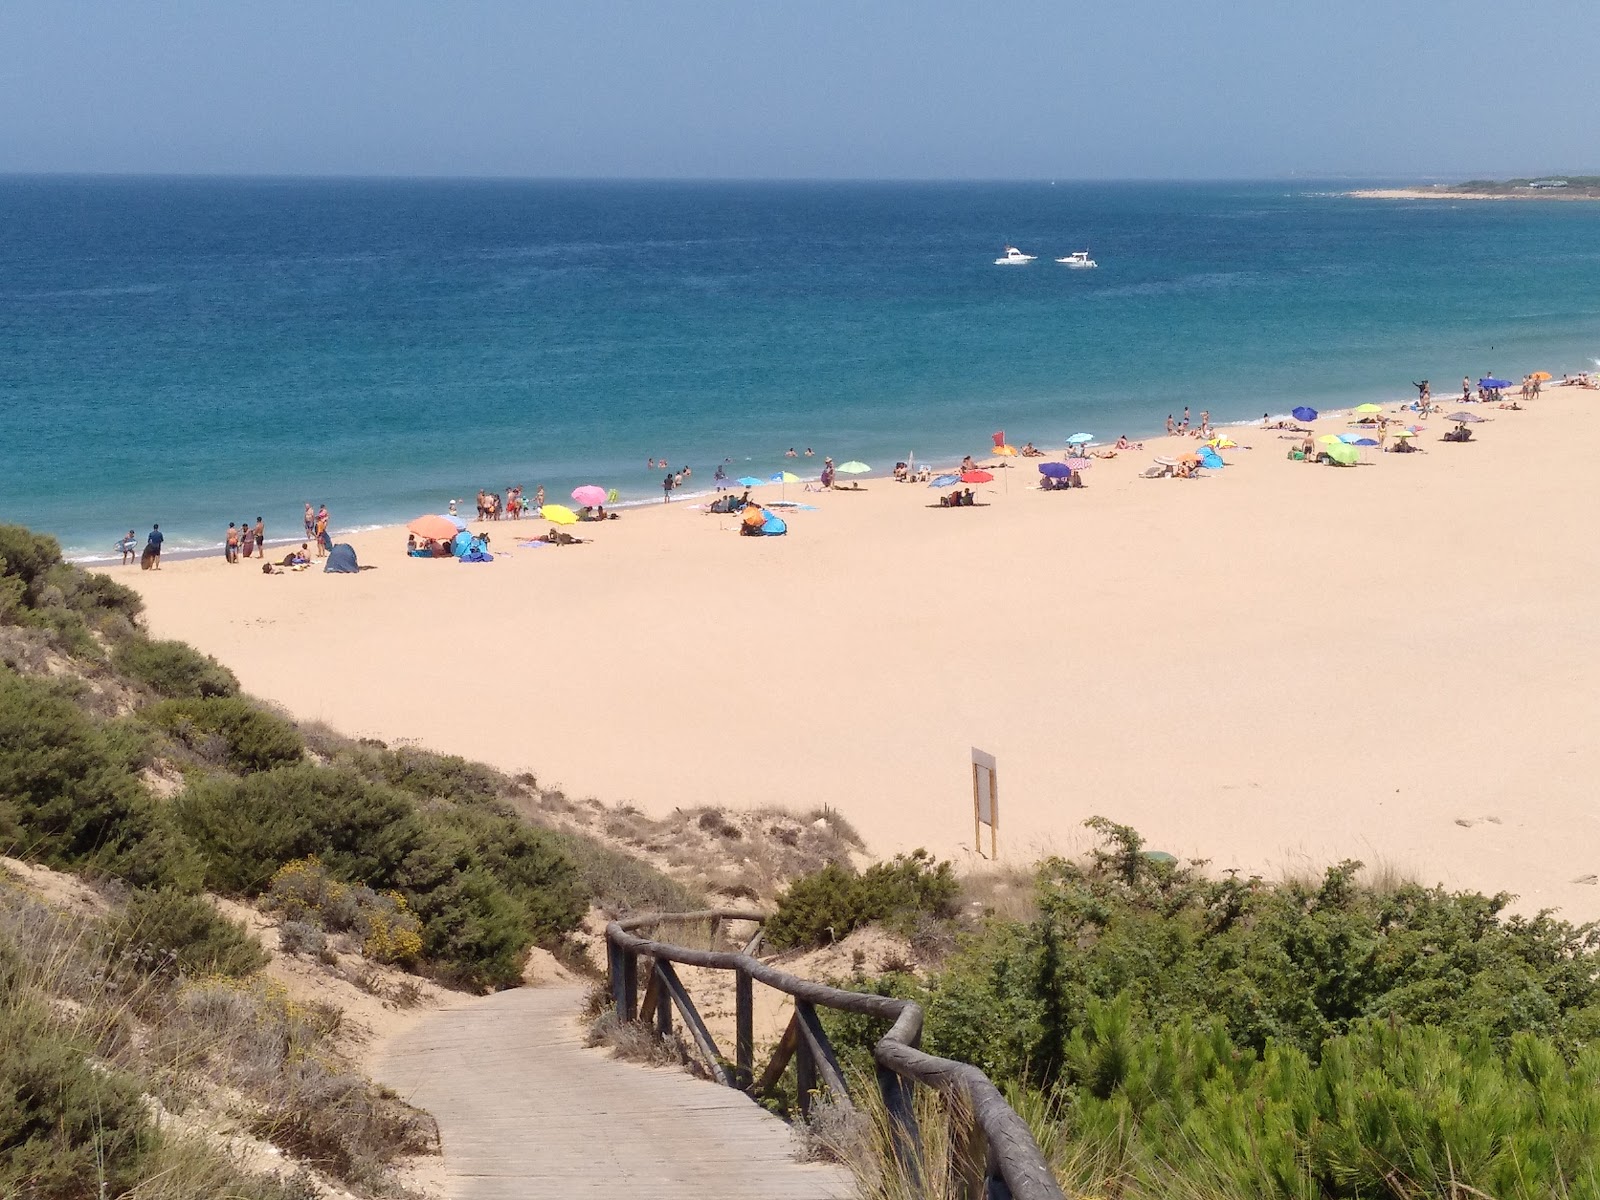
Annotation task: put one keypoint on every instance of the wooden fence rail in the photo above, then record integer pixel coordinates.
(996, 1157)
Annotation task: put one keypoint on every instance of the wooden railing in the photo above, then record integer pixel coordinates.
(994, 1155)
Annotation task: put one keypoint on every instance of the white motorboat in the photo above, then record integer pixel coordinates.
(1079, 260)
(1014, 258)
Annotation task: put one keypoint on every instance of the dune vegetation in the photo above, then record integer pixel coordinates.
(140, 767)
(1169, 1033)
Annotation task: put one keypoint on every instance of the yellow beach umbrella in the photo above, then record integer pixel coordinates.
(1402, 433)
(1007, 451)
(1541, 376)
(1222, 443)
(1369, 408)
(1330, 439)
(789, 477)
(558, 514)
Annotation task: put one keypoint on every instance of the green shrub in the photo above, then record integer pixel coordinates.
(160, 931)
(425, 774)
(247, 828)
(827, 905)
(27, 556)
(483, 885)
(65, 1122)
(255, 739)
(68, 794)
(531, 864)
(1294, 964)
(173, 669)
(1388, 1111)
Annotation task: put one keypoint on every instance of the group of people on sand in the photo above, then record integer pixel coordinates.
(1182, 428)
(316, 526)
(514, 505)
(244, 540)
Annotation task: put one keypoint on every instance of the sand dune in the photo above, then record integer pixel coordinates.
(1272, 668)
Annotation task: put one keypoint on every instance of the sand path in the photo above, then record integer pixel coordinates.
(525, 1110)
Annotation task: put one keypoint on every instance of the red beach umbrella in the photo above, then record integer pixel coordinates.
(976, 477)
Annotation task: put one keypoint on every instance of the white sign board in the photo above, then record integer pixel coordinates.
(985, 799)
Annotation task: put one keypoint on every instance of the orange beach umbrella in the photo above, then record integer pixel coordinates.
(440, 529)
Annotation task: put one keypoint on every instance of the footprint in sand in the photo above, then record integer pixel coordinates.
(1589, 879)
(1469, 822)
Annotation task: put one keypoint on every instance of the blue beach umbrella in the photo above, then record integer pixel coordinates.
(1304, 414)
(748, 481)
(1365, 442)
(1494, 383)
(1055, 470)
(1079, 439)
(942, 481)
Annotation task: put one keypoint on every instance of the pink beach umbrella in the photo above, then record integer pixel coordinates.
(589, 496)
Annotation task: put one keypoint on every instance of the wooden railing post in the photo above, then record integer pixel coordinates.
(663, 1013)
(903, 1131)
(969, 1154)
(624, 982)
(805, 1061)
(744, 1022)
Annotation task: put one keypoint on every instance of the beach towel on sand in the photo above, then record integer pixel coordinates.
(476, 554)
(342, 560)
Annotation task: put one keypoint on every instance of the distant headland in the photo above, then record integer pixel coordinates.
(1545, 187)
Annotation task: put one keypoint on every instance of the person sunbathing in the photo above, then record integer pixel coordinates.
(1029, 450)
(1122, 443)
(968, 465)
(557, 538)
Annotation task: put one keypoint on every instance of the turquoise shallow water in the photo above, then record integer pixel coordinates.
(199, 351)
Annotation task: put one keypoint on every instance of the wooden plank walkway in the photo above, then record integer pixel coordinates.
(525, 1110)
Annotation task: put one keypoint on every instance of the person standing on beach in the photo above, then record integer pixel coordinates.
(247, 540)
(1172, 426)
(538, 496)
(261, 538)
(230, 547)
(323, 542)
(126, 545)
(152, 547)
(311, 522)
(666, 489)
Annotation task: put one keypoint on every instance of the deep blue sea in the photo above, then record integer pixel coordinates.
(199, 351)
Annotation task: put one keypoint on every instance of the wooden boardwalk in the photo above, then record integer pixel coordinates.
(526, 1112)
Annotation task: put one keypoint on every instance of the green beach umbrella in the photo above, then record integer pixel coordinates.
(1344, 455)
(853, 468)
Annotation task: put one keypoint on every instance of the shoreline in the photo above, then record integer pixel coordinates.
(645, 503)
(1273, 667)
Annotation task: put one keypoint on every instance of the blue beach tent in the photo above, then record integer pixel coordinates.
(341, 560)
(774, 527)
(1210, 458)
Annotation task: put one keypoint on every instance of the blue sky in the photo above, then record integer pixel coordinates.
(777, 89)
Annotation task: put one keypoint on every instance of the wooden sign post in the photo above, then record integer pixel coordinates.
(985, 801)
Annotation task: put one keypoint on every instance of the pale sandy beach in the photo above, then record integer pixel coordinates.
(1273, 667)
(1445, 193)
